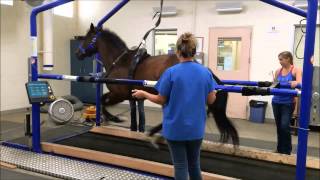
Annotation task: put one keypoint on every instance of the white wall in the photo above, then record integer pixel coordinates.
(16, 48)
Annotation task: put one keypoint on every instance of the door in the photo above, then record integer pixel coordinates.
(86, 92)
(229, 58)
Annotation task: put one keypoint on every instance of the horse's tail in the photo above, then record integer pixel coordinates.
(218, 109)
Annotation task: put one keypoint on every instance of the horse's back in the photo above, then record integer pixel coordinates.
(152, 67)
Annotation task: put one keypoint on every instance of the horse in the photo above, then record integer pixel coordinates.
(117, 59)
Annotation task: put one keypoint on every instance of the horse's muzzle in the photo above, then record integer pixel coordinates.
(80, 55)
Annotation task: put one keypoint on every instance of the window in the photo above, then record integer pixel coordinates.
(164, 41)
(7, 2)
(298, 48)
(228, 53)
(65, 10)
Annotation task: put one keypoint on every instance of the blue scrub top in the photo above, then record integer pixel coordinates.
(186, 87)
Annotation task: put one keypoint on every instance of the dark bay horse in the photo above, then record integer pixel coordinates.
(117, 58)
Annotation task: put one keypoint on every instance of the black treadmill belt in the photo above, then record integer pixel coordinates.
(232, 166)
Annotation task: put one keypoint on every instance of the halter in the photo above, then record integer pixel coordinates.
(91, 45)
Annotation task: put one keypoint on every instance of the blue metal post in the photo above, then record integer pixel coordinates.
(112, 12)
(98, 93)
(306, 90)
(35, 11)
(98, 67)
(286, 7)
(36, 146)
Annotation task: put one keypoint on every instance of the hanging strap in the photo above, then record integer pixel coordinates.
(155, 26)
(142, 42)
(108, 71)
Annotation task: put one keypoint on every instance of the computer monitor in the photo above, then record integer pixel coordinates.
(39, 92)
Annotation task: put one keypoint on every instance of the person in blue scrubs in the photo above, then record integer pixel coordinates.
(284, 106)
(183, 91)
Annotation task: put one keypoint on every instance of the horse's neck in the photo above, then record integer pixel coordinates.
(109, 55)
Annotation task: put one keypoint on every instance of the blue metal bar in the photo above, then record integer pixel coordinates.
(240, 82)
(57, 77)
(98, 93)
(228, 82)
(112, 12)
(286, 92)
(286, 7)
(264, 91)
(51, 76)
(306, 90)
(237, 89)
(36, 10)
(286, 85)
(16, 145)
(92, 79)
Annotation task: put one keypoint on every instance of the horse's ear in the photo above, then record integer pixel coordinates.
(91, 27)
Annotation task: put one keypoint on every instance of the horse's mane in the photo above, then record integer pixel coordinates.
(109, 36)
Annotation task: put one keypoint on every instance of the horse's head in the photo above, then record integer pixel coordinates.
(89, 47)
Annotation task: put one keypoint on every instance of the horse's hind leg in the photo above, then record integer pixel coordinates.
(155, 139)
(155, 130)
(109, 99)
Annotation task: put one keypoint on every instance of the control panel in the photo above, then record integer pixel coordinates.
(39, 92)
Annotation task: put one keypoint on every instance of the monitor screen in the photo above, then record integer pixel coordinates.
(38, 91)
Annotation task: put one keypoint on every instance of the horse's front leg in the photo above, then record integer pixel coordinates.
(110, 99)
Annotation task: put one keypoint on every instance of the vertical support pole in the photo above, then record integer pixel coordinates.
(36, 147)
(98, 92)
(98, 66)
(306, 90)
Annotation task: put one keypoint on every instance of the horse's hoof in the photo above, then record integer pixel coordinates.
(116, 120)
(154, 142)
